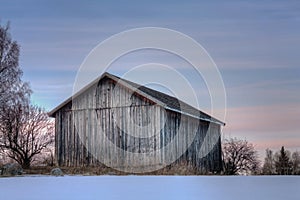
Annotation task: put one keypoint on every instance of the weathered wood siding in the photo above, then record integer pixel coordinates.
(78, 127)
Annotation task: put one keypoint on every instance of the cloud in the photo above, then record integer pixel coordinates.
(290, 143)
(264, 119)
(265, 126)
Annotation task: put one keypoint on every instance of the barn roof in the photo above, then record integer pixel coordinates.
(162, 99)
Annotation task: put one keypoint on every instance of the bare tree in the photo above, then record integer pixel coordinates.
(239, 157)
(10, 73)
(48, 157)
(25, 131)
(269, 164)
(296, 163)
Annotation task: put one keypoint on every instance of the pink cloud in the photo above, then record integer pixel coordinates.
(265, 126)
(273, 118)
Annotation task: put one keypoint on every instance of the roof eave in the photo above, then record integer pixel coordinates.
(212, 120)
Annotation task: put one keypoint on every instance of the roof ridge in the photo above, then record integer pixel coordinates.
(167, 101)
(182, 103)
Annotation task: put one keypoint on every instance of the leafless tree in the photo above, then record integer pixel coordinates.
(269, 164)
(48, 157)
(10, 73)
(296, 163)
(25, 131)
(239, 157)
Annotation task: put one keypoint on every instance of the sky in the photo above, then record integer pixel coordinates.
(255, 45)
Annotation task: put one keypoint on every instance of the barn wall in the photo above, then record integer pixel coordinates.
(93, 112)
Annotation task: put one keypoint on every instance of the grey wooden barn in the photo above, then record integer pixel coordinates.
(127, 114)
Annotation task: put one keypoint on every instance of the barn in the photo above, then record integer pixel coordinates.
(134, 128)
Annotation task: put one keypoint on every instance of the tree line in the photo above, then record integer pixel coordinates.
(282, 162)
(240, 157)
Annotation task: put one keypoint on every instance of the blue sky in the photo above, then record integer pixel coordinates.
(255, 44)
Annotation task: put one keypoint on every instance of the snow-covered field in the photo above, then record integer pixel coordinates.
(151, 187)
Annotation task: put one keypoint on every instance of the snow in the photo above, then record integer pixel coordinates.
(151, 187)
